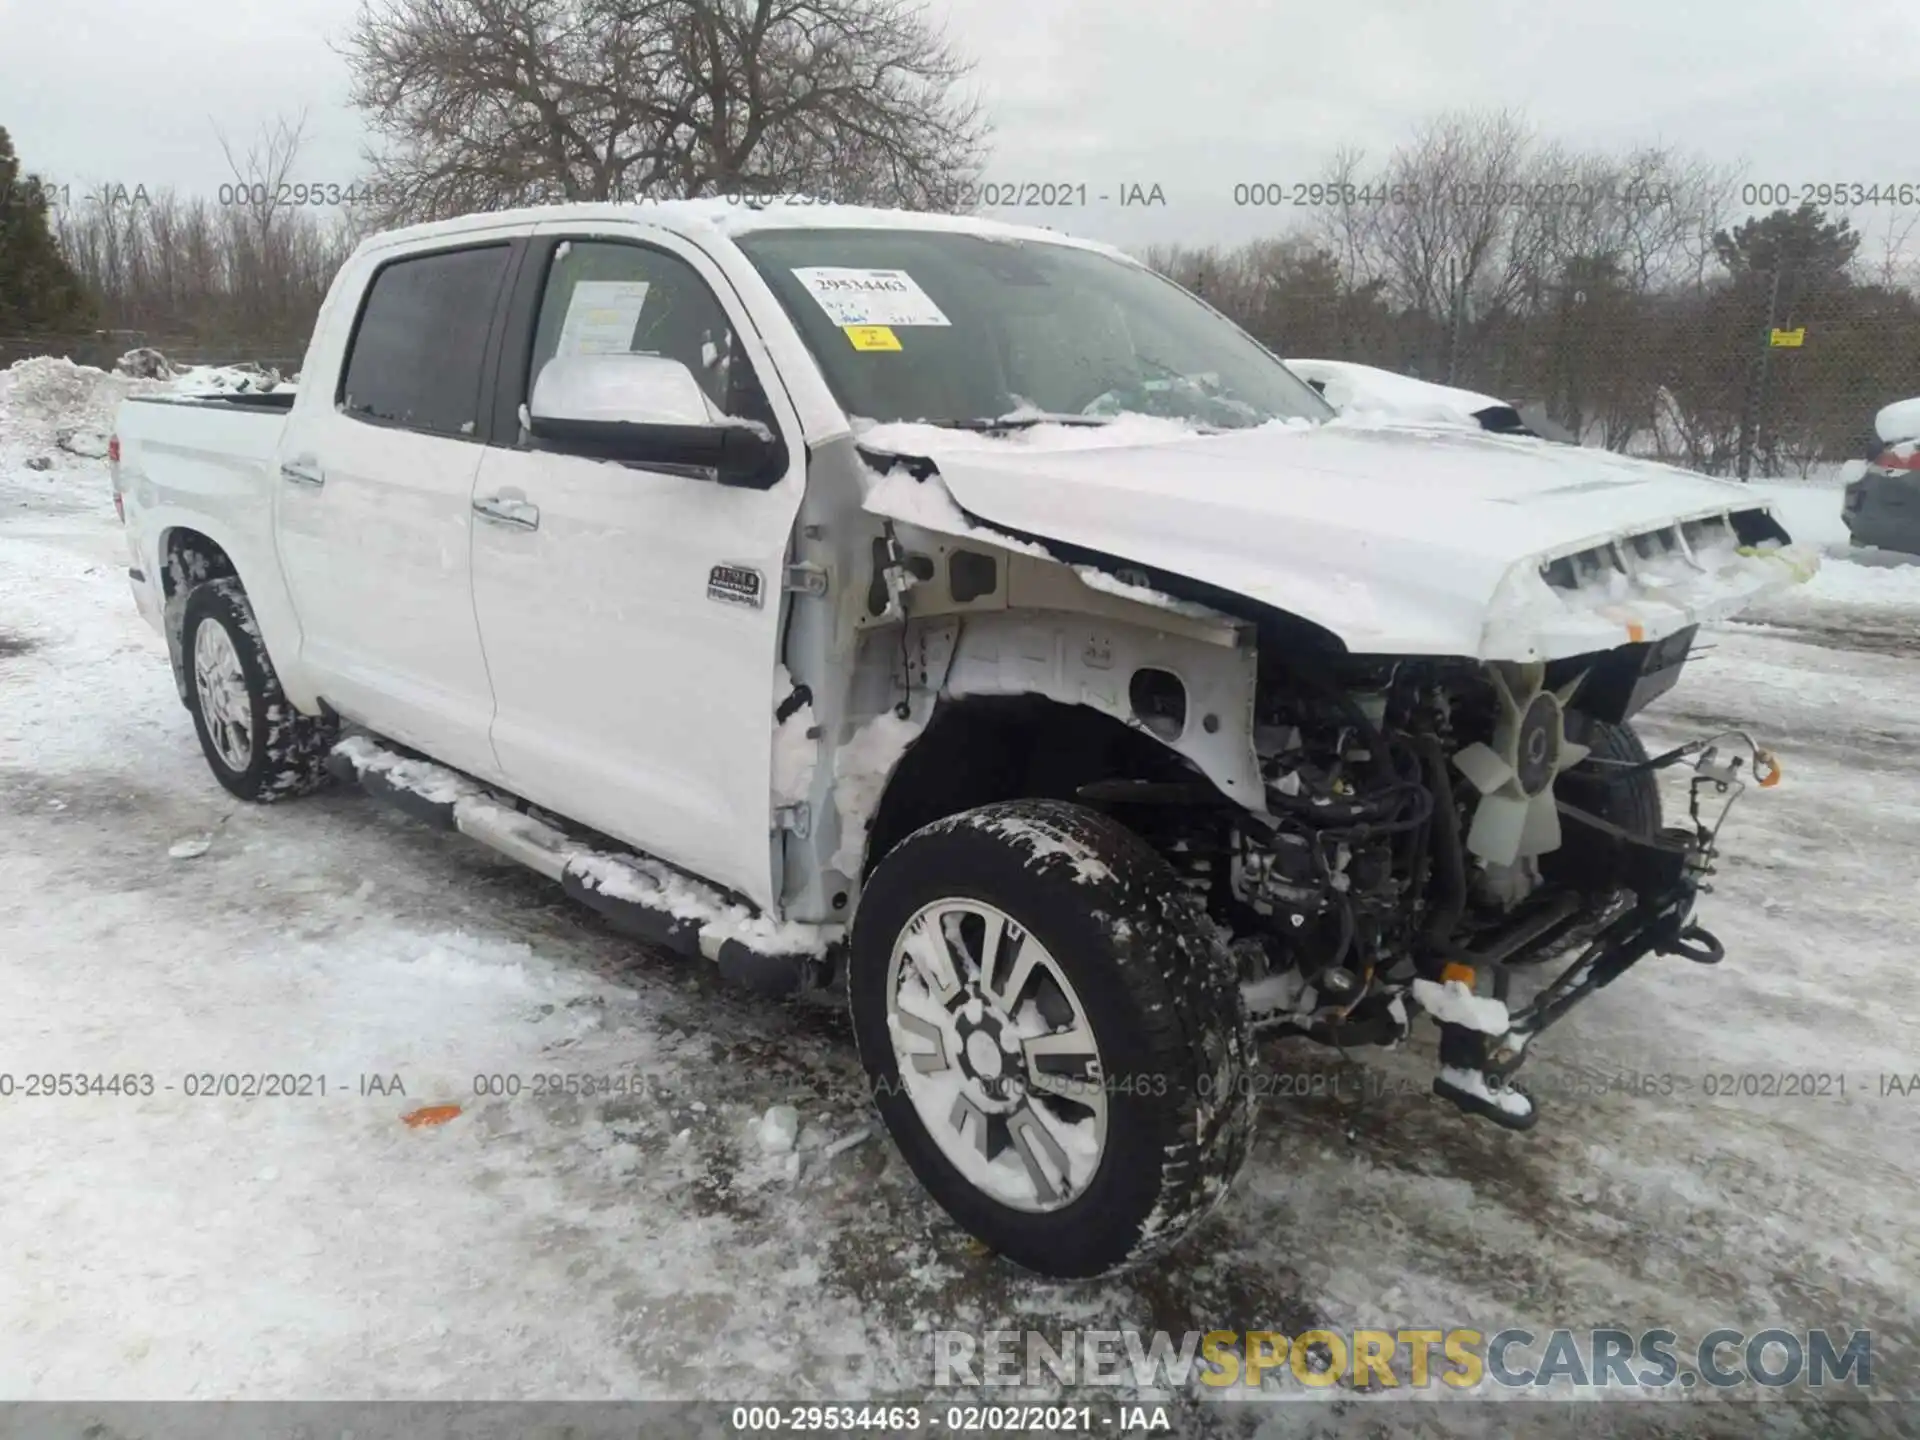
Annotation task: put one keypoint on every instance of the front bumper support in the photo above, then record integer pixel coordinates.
(1663, 874)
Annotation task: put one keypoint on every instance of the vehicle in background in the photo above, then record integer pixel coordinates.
(1354, 389)
(1882, 507)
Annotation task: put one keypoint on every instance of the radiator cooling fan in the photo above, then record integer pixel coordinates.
(1514, 774)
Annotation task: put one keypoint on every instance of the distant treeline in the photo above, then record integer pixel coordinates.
(1614, 291)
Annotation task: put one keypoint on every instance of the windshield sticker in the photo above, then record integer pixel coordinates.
(602, 316)
(869, 297)
(872, 337)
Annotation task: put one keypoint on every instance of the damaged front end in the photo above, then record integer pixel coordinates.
(1426, 795)
(1439, 834)
(1634, 897)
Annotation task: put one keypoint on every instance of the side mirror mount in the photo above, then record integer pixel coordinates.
(648, 410)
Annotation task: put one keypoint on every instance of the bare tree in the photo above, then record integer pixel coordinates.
(489, 103)
(1894, 266)
(1444, 235)
(262, 176)
(193, 275)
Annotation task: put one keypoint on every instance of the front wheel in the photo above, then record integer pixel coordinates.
(257, 745)
(1054, 1037)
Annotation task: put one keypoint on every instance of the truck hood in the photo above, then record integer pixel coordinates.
(1401, 539)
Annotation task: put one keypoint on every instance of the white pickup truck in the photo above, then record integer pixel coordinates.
(966, 617)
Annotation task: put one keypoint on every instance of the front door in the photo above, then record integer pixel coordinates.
(630, 615)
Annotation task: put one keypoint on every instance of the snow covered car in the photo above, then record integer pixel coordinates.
(967, 618)
(1353, 388)
(1882, 507)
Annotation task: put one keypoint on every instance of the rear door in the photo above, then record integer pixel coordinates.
(631, 614)
(373, 504)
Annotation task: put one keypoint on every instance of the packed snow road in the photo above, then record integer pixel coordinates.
(671, 1239)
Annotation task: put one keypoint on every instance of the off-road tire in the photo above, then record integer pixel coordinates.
(288, 749)
(1160, 994)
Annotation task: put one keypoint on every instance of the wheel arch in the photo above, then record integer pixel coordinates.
(188, 557)
(190, 552)
(985, 749)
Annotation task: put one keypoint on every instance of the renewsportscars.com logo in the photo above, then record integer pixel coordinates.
(1245, 1363)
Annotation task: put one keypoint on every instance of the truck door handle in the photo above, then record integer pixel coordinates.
(504, 510)
(303, 471)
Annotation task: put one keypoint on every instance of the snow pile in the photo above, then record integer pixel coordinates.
(1811, 511)
(48, 403)
(1848, 585)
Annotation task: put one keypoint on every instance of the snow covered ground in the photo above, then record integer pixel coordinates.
(663, 1242)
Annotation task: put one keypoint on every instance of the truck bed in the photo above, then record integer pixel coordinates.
(205, 462)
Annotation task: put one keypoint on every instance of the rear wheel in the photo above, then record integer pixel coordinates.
(257, 745)
(1054, 1037)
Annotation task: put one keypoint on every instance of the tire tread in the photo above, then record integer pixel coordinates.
(293, 748)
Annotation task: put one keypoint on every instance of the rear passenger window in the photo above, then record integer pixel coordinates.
(422, 335)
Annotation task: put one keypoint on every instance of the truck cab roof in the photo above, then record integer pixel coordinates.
(714, 217)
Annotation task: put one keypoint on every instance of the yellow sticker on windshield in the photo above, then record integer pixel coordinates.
(872, 337)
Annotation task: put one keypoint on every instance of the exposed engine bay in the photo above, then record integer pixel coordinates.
(1436, 827)
(1433, 824)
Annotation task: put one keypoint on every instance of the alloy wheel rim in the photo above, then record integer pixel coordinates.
(225, 704)
(997, 1055)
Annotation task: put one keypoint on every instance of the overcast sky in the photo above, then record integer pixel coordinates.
(1193, 96)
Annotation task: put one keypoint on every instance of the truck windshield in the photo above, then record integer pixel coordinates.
(985, 332)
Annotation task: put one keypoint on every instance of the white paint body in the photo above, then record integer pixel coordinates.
(583, 666)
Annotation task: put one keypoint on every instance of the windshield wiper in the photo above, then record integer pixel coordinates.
(1023, 421)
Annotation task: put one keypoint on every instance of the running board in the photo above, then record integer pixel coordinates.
(639, 896)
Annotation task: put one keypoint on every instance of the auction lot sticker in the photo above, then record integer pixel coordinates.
(869, 297)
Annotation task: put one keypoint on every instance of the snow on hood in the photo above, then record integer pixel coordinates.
(1395, 537)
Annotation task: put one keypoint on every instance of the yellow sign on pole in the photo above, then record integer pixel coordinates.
(1789, 339)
